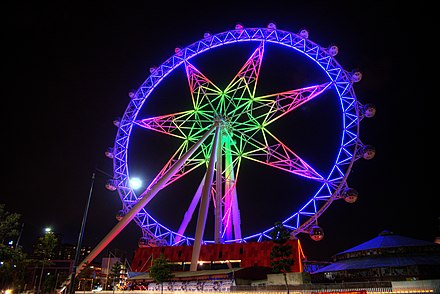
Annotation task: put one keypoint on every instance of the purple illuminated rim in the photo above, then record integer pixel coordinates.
(332, 184)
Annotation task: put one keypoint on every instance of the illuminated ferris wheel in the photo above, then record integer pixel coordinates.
(216, 112)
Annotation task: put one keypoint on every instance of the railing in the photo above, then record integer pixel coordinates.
(378, 287)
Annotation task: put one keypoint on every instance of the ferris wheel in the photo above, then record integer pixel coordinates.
(211, 115)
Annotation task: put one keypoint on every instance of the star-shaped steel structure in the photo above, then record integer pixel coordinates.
(243, 119)
(226, 125)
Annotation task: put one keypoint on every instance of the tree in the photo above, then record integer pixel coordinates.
(9, 224)
(281, 254)
(45, 247)
(160, 271)
(115, 273)
(13, 259)
(44, 251)
(12, 268)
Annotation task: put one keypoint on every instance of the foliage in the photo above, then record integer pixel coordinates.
(44, 250)
(281, 260)
(15, 262)
(281, 254)
(13, 259)
(9, 224)
(13, 267)
(45, 247)
(160, 271)
(115, 273)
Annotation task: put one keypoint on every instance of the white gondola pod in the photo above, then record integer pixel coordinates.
(272, 26)
(143, 242)
(333, 50)
(239, 26)
(111, 185)
(178, 51)
(316, 233)
(356, 76)
(304, 33)
(120, 215)
(132, 94)
(368, 152)
(109, 152)
(350, 195)
(117, 122)
(369, 110)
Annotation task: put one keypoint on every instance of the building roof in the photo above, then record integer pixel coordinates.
(379, 261)
(387, 239)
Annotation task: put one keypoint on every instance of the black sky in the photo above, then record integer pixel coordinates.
(70, 66)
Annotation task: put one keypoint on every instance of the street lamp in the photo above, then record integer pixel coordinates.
(134, 182)
(47, 231)
(80, 237)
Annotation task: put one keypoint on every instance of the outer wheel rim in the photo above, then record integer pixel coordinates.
(336, 181)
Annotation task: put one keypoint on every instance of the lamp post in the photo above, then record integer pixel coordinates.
(80, 237)
(81, 233)
(41, 277)
(137, 183)
(47, 231)
(56, 282)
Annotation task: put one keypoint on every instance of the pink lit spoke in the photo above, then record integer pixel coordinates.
(271, 107)
(242, 87)
(274, 153)
(184, 125)
(202, 90)
(193, 162)
(229, 200)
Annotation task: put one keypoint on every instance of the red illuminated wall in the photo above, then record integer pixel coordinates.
(250, 254)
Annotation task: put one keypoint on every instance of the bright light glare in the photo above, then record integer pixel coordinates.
(135, 183)
(47, 230)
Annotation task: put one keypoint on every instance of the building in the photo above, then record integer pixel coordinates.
(387, 257)
(220, 266)
(68, 251)
(387, 263)
(216, 256)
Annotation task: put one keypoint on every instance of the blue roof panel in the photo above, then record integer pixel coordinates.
(379, 261)
(388, 241)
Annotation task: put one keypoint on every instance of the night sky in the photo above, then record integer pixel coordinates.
(69, 68)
